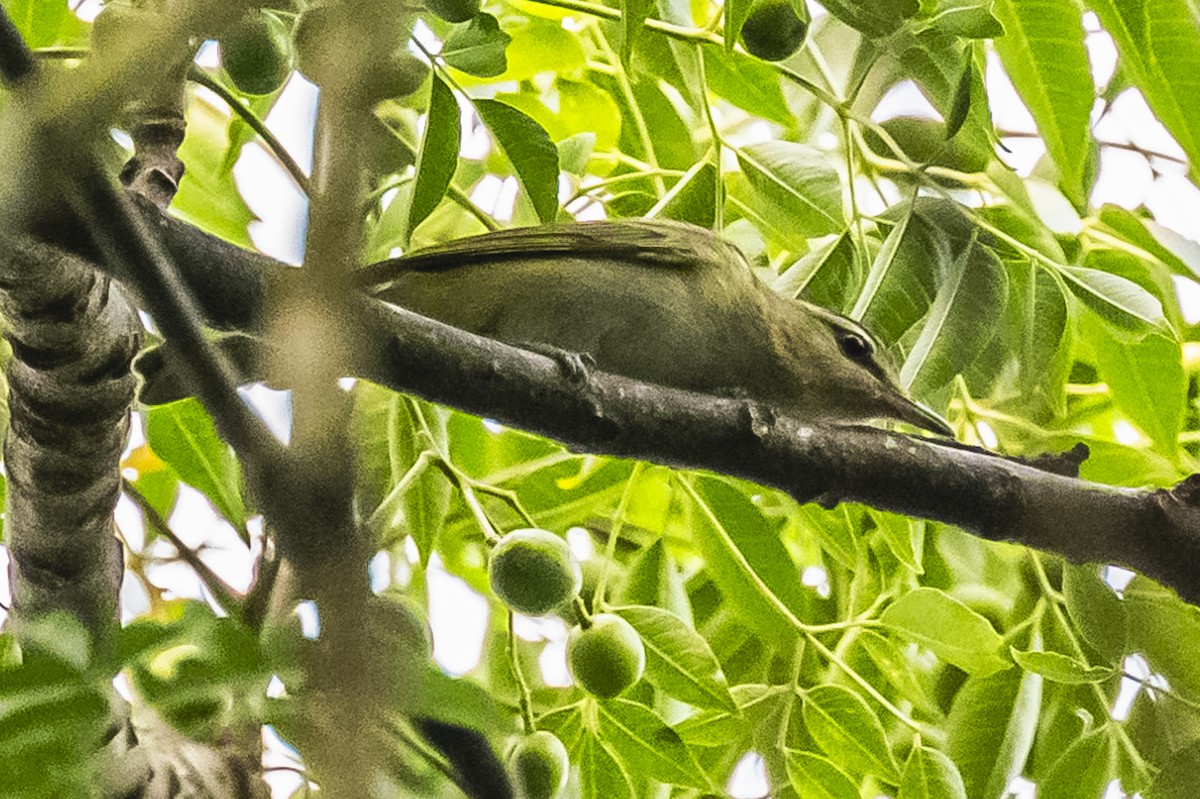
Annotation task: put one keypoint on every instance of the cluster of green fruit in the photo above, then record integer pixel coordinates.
(533, 572)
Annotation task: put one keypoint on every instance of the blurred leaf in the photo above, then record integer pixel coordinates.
(991, 728)
(1146, 379)
(633, 16)
(1177, 779)
(183, 435)
(43, 23)
(930, 774)
(1085, 769)
(479, 48)
(1060, 668)
(955, 633)
(678, 661)
(873, 18)
(530, 151)
(844, 727)
(208, 196)
(816, 777)
(1043, 53)
(1096, 610)
(968, 18)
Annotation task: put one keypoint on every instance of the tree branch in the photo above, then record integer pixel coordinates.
(1154, 532)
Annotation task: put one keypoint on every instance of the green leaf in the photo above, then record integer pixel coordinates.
(1167, 631)
(1060, 668)
(816, 777)
(1084, 770)
(899, 668)
(873, 18)
(1096, 610)
(955, 633)
(846, 729)
(1043, 53)
(930, 774)
(800, 180)
(479, 48)
(208, 196)
(970, 300)
(183, 435)
(991, 728)
(1119, 301)
(529, 149)
(438, 157)
(736, 12)
(1177, 778)
(971, 19)
(747, 560)
(43, 23)
(1146, 378)
(679, 661)
(749, 84)
(601, 774)
(1159, 46)
(539, 46)
(633, 16)
(646, 746)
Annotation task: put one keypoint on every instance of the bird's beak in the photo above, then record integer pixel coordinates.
(916, 414)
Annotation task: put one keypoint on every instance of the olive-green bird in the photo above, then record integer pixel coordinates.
(658, 301)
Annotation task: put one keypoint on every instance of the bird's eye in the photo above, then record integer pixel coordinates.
(854, 346)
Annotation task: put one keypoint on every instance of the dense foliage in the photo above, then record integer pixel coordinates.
(857, 653)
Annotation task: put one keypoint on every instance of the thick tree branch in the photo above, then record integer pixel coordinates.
(1154, 532)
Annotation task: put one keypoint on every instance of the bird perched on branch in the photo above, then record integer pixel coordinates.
(658, 301)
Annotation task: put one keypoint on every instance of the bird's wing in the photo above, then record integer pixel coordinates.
(650, 242)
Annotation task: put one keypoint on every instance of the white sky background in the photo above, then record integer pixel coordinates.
(458, 615)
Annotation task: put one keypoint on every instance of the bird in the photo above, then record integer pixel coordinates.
(659, 301)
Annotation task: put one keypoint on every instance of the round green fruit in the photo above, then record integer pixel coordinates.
(454, 10)
(773, 30)
(539, 766)
(607, 657)
(533, 571)
(256, 53)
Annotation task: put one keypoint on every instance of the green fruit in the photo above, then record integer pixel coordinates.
(607, 657)
(539, 766)
(533, 571)
(256, 53)
(454, 10)
(773, 30)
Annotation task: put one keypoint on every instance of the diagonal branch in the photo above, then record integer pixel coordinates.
(1155, 532)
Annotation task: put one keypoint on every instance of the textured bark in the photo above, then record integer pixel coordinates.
(73, 335)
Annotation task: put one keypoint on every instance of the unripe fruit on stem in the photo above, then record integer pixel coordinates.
(539, 766)
(533, 571)
(256, 53)
(773, 30)
(607, 657)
